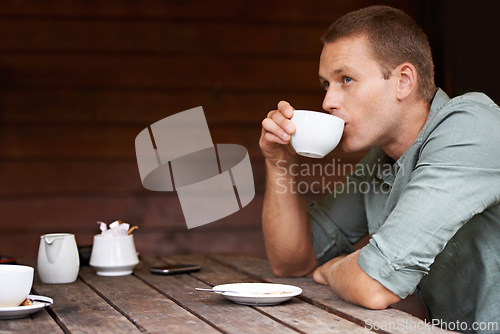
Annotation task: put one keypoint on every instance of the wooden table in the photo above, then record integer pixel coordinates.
(147, 303)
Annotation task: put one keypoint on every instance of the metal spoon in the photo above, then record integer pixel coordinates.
(216, 291)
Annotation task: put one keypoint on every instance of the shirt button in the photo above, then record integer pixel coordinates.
(386, 271)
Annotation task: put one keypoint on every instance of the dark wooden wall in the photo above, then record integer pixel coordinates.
(80, 79)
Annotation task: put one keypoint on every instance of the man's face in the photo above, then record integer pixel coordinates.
(357, 92)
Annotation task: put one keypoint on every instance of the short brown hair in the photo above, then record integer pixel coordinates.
(394, 38)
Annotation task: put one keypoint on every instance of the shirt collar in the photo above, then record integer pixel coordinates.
(438, 102)
(387, 172)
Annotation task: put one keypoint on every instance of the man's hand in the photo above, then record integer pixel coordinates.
(322, 273)
(351, 283)
(277, 130)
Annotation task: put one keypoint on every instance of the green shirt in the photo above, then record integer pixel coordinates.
(433, 215)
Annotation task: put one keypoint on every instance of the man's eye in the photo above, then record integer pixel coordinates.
(346, 80)
(326, 85)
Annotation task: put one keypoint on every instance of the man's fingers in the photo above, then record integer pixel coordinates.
(273, 138)
(271, 126)
(277, 130)
(286, 109)
(318, 276)
(283, 122)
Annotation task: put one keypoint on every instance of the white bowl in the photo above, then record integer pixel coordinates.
(15, 284)
(113, 256)
(316, 133)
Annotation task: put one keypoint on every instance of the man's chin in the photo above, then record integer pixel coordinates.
(350, 148)
(346, 147)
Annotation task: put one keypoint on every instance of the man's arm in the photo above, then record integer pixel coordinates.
(286, 226)
(287, 230)
(351, 283)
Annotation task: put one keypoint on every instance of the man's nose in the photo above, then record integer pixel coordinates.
(331, 101)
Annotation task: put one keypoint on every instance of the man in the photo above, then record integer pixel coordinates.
(432, 209)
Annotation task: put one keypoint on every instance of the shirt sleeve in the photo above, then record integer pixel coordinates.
(456, 176)
(340, 219)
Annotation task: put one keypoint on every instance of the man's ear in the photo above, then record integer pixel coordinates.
(406, 75)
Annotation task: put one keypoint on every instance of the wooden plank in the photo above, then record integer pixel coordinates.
(109, 143)
(159, 215)
(37, 178)
(148, 309)
(212, 272)
(46, 178)
(248, 241)
(149, 242)
(28, 179)
(80, 213)
(227, 317)
(162, 225)
(160, 37)
(24, 179)
(24, 182)
(311, 319)
(82, 310)
(295, 313)
(277, 11)
(23, 246)
(129, 72)
(50, 141)
(35, 323)
(322, 296)
(114, 143)
(124, 108)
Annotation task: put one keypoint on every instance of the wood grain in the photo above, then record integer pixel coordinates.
(226, 107)
(78, 307)
(79, 81)
(147, 303)
(323, 297)
(150, 310)
(296, 313)
(279, 11)
(221, 314)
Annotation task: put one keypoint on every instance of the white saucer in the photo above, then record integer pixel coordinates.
(261, 294)
(114, 271)
(39, 302)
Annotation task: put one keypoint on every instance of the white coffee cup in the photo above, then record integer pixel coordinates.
(316, 133)
(113, 255)
(15, 284)
(58, 259)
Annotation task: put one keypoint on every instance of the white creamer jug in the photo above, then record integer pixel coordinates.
(58, 260)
